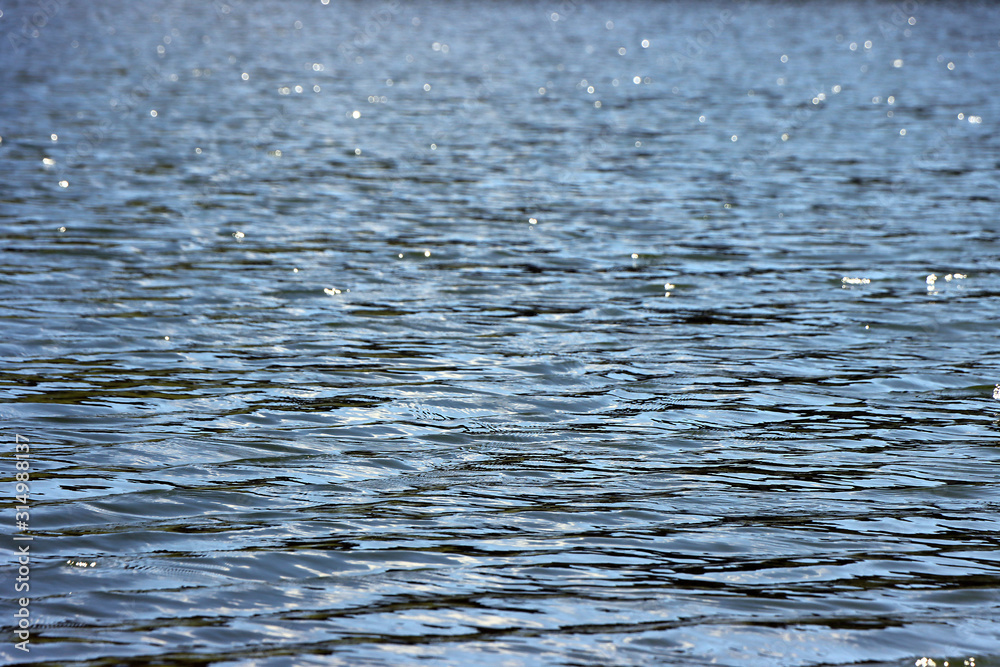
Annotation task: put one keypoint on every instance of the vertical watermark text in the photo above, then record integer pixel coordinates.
(22, 519)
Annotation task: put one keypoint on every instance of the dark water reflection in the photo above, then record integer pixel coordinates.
(479, 373)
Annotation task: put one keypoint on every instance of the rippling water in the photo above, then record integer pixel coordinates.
(566, 333)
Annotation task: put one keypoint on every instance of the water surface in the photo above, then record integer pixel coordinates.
(433, 333)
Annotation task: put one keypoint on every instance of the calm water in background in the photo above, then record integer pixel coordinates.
(361, 334)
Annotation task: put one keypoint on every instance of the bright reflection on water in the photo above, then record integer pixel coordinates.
(567, 334)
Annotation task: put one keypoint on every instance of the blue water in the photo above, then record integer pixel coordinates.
(490, 333)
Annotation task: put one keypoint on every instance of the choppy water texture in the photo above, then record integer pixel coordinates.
(362, 334)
